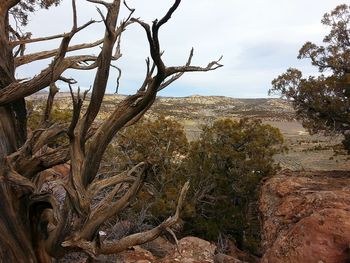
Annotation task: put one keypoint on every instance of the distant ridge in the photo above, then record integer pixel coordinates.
(196, 107)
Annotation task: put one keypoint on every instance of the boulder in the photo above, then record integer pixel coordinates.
(136, 255)
(160, 247)
(306, 217)
(192, 250)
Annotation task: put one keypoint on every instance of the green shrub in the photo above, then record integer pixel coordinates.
(226, 166)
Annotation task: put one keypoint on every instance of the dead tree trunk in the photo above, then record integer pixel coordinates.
(15, 236)
(33, 226)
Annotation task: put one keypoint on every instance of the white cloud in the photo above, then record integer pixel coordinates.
(259, 40)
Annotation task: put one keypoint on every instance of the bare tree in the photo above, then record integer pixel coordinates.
(34, 226)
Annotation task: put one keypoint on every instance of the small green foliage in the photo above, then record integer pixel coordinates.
(22, 10)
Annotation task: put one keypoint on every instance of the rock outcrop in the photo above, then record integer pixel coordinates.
(306, 217)
(189, 250)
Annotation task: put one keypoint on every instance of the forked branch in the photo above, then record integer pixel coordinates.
(98, 185)
(133, 107)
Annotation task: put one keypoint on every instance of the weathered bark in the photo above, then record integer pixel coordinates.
(8, 130)
(49, 104)
(8, 141)
(15, 237)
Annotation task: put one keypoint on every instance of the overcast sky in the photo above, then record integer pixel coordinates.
(258, 39)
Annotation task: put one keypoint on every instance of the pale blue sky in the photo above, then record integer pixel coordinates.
(258, 39)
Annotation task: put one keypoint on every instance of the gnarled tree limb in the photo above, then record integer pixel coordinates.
(116, 246)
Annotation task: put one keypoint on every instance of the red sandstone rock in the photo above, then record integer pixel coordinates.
(306, 217)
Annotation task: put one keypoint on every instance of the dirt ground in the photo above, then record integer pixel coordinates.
(309, 152)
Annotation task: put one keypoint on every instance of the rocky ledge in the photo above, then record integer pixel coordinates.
(306, 217)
